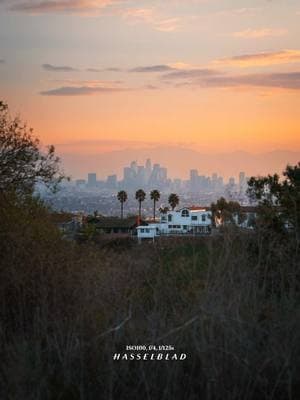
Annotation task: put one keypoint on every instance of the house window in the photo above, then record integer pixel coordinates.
(194, 218)
(184, 227)
(203, 218)
(185, 213)
(169, 217)
(170, 226)
(142, 230)
(147, 230)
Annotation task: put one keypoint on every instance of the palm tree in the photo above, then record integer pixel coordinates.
(140, 195)
(155, 196)
(163, 209)
(173, 200)
(122, 197)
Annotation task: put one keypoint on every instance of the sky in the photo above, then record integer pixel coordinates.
(102, 75)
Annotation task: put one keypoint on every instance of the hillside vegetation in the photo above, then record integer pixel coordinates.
(230, 302)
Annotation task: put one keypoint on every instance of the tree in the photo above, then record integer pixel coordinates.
(22, 162)
(155, 196)
(225, 211)
(140, 195)
(278, 199)
(173, 200)
(122, 197)
(163, 209)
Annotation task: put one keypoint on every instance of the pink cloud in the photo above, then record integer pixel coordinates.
(259, 33)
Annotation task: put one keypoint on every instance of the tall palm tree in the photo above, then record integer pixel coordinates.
(155, 196)
(122, 197)
(140, 195)
(173, 200)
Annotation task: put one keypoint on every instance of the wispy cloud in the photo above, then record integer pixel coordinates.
(259, 33)
(238, 12)
(136, 15)
(152, 68)
(85, 82)
(168, 24)
(67, 68)
(58, 68)
(197, 73)
(113, 69)
(110, 69)
(60, 6)
(94, 70)
(2, 61)
(81, 90)
(214, 79)
(261, 59)
(78, 87)
(175, 66)
(152, 17)
(151, 87)
(284, 80)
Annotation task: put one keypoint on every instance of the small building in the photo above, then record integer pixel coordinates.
(114, 225)
(186, 221)
(148, 231)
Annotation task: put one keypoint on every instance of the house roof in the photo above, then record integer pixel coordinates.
(207, 208)
(114, 222)
(150, 226)
(196, 208)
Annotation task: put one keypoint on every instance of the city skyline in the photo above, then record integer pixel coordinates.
(178, 160)
(153, 175)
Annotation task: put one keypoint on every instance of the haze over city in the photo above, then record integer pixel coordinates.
(111, 81)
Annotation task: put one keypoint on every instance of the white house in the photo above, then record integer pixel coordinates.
(186, 221)
(148, 231)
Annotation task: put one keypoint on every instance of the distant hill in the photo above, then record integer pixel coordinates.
(179, 161)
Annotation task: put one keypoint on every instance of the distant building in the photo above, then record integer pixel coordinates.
(141, 175)
(242, 183)
(134, 166)
(148, 170)
(194, 180)
(177, 184)
(111, 181)
(128, 174)
(80, 182)
(231, 182)
(92, 179)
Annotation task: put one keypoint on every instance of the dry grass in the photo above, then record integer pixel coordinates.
(231, 303)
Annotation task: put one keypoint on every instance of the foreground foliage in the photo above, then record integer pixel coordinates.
(230, 302)
(22, 162)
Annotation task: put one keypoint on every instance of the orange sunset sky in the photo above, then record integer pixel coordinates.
(92, 76)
